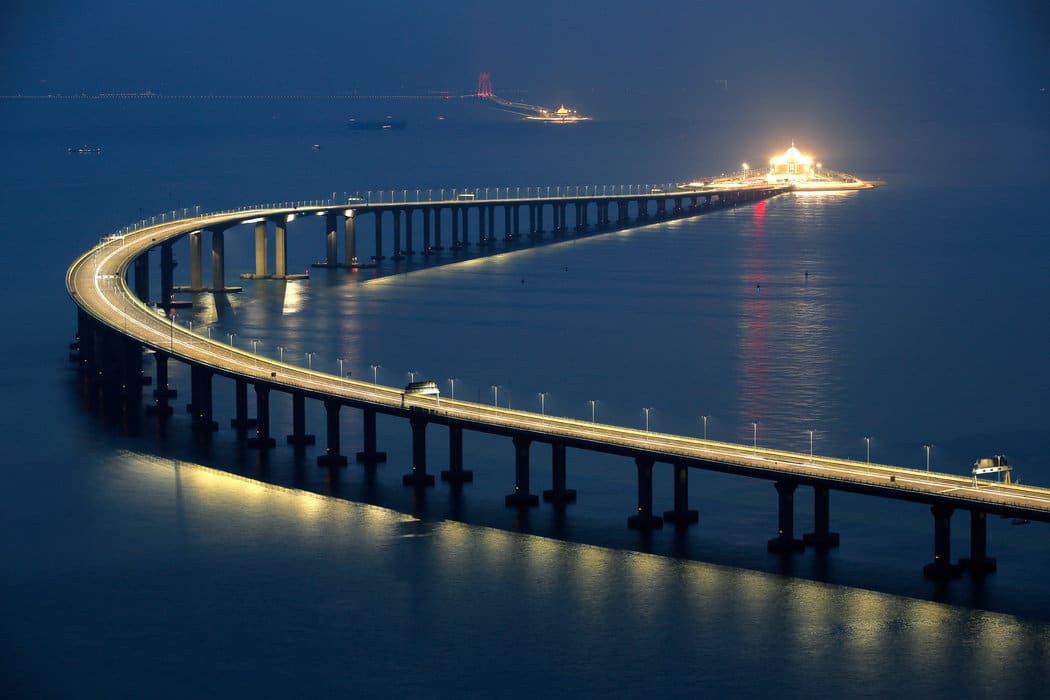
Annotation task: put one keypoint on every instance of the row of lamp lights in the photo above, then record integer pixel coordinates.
(646, 410)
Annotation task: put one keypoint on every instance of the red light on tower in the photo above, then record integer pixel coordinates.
(484, 85)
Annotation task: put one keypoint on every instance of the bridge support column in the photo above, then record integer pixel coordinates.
(370, 455)
(785, 540)
(161, 392)
(521, 495)
(644, 519)
(455, 229)
(142, 277)
(262, 245)
(941, 566)
(196, 262)
(350, 239)
(516, 220)
(280, 265)
(507, 234)
(437, 229)
(492, 222)
(539, 220)
(241, 421)
(379, 235)
(331, 240)
(200, 400)
(397, 237)
(426, 232)
(978, 562)
(409, 213)
(822, 536)
(456, 472)
(558, 493)
(299, 436)
(332, 456)
(464, 240)
(218, 261)
(167, 275)
(418, 476)
(532, 221)
(681, 516)
(262, 437)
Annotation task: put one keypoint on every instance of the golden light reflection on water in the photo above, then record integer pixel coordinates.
(294, 297)
(221, 510)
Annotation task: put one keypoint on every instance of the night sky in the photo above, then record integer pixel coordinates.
(922, 60)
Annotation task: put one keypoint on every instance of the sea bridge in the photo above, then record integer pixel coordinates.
(117, 321)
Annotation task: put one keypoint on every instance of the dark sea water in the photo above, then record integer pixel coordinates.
(138, 562)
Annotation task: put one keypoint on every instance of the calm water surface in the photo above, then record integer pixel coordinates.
(137, 562)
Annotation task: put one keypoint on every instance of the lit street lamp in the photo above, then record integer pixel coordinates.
(543, 396)
(927, 456)
(704, 419)
(495, 394)
(310, 360)
(593, 402)
(341, 368)
(231, 336)
(867, 449)
(375, 374)
(754, 427)
(411, 375)
(452, 383)
(810, 444)
(647, 409)
(280, 350)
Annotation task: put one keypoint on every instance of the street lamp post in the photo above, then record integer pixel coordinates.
(704, 419)
(231, 337)
(495, 394)
(754, 427)
(255, 346)
(647, 409)
(593, 402)
(310, 360)
(810, 444)
(411, 375)
(375, 373)
(867, 449)
(543, 396)
(280, 351)
(341, 375)
(927, 456)
(452, 383)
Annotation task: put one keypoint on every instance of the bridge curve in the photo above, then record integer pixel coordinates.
(110, 310)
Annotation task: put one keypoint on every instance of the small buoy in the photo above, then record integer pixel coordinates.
(758, 289)
(807, 274)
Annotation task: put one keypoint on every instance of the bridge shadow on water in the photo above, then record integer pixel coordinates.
(123, 420)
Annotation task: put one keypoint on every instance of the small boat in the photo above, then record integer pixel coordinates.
(1020, 521)
(85, 150)
(316, 147)
(386, 124)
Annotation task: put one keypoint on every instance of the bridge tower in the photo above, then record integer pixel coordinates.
(484, 85)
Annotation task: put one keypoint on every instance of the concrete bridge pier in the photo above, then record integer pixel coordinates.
(521, 496)
(483, 239)
(492, 222)
(464, 237)
(455, 472)
(161, 392)
(398, 254)
(262, 438)
(455, 245)
(437, 229)
(262, 249)
(418, 476)
(677, 211)
(196, 262)
(517, 223)
(350, 239)
(785, 540)
(241, 421)
(681, 516)
(141, 274)
(644, 519)
(280, 259)
(507, 233)
(167, 275)
(331, 242)
(558, 493)
(370, 456)
(299, 436)
(822, 536)
(409, 214)
(532, 222)
(643, 209)
(427, 249)
(218, 260)
(331, 457)
(661, 208)
(200, 405)
(379, 235)
(941, 567)
(539, 220)
(978, 562)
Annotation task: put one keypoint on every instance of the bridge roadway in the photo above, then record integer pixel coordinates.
(97, 283)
